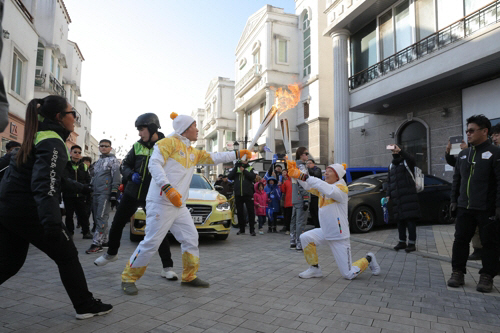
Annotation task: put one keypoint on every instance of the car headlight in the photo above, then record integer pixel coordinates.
(225, 206)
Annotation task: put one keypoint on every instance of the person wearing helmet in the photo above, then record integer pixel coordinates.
(134, 170)
(172, 165)
(334, 226)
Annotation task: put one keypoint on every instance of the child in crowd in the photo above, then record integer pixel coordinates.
(274, 194)
(286, 190)
(260, 202)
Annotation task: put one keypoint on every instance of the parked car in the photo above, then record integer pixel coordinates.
(365, 194)
(351, 174)
(210, 210)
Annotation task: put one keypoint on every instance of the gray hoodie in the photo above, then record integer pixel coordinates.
(299, 195)
(106, 175)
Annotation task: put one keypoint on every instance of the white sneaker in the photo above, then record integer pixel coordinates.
(169, 274)
(105, 259)
(374, 266)
(311, 272)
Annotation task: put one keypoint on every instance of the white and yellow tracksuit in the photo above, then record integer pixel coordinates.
(334, 227)
(173, 162)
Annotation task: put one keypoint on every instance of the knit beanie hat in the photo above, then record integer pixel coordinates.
(181, 122)
(338, 168)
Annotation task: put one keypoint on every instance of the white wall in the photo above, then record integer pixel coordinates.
(481, 99)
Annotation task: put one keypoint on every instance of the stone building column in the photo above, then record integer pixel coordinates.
(340, 96)
(220, 148)
(271, 130)
(206, 167)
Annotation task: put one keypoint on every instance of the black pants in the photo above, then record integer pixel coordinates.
(313, 209)
(16, 233)
(412, 231)
(465, 226)
(248, 202)
(288, 217)
(127, 207)
(88, 208)
(273, 223)
(76, 205)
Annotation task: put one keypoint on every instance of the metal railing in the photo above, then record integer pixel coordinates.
(254, 71)
(40, 80)
(56, 86)
(25, 10)
(462, 28)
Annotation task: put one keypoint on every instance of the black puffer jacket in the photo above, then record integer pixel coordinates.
(243, 181)
(34, 188)
(78, 172)
(137, 160)
(401, 188)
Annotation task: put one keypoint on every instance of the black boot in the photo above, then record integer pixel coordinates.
(456, 280)
(400, 246)
(476, 255)
(485, 284)
(410, 248)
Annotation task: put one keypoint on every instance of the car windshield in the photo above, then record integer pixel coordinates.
(363, 184)
(199, 182)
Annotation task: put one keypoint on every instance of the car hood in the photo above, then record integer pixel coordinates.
(203, 194)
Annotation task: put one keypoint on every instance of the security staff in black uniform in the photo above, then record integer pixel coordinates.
(29, 202)
(76, 202)
(134, 170)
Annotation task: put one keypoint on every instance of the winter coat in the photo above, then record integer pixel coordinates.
(274, 194)
(286, 190)
(299, 195)
(173, 162)
(137, 160)
(401, 188)
(33, 189)
(243, 181)
(260, 201)
(106, 175)
(332, 213)
(5, 161)
(476, 181)
(78, 172)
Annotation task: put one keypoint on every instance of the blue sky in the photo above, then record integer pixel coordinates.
(154, 56)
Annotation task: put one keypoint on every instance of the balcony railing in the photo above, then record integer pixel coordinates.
(40, 80)
(24, 10)
(255, 71)
(462, 28)
(56, 86)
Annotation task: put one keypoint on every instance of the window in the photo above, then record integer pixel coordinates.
(306, 33)
(249, 120)
(262, 111)
(58, 72)
(39, 55)
(52, 63)
(306, 110)
(364, 48)
(403, 25)
(71, 98)
(17, 74)
(448, 12)
(386, 37)
(230, 136)
(256, 57)
(426, 18)
(473, 5)
(282, 53)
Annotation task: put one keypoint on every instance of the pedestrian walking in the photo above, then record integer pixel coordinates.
(172, 165)
(105, 182)
(334, 226)
(475, 200)
(300, 201)
(273, 209)
(74, 202)
(243, 177)
(29, 202)
(286, 190)
(402, 191)
(314, 171)
(134, 170)
(88, 198)
(260, 201)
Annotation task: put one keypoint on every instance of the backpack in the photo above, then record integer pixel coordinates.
(418, 178)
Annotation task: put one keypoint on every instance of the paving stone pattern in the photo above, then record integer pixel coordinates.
(255, 288)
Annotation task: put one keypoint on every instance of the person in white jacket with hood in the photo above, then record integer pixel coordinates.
(334, 225)
(172, 165)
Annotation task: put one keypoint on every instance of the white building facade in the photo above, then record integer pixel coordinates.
(219, 121)
(85, 129)
(199, 116)
(411, 73)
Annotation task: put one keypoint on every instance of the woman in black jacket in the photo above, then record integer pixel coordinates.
(403, 194)
(29, 202)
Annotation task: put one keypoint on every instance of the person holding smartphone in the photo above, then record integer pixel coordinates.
(401, 190)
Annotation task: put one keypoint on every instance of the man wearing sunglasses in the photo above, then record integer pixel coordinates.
(76, 202)
(106, 181)
(475, 200)
(300, 202)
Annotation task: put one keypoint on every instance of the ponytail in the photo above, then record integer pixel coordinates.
(30, 129)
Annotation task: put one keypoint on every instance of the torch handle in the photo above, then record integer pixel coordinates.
(265, 123)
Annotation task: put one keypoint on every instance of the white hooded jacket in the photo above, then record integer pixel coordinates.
(332, 204)
(173, 162)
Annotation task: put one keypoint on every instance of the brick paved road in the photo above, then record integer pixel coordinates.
(255, 288)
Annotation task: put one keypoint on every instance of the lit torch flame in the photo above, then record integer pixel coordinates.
(287, 99)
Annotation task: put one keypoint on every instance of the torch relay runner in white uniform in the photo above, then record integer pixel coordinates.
(172, 165)
(334, 225)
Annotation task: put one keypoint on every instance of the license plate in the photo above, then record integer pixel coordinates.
(197, 219)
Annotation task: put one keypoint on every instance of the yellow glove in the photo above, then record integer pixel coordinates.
(244, 152)
(291, 165)
(295, 173)
(172, 195)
